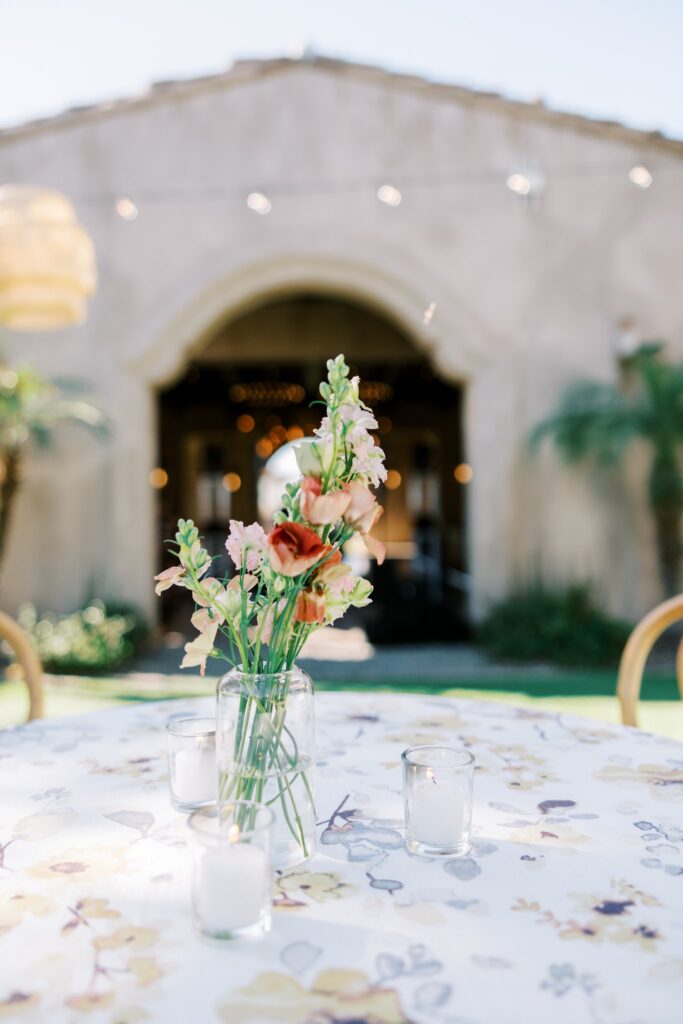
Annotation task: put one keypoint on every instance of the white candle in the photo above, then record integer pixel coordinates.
(232, 887)
(196, 775)
(437, 812)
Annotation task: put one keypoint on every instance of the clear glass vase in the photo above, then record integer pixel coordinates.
(265, 734)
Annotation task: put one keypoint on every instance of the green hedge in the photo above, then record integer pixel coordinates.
(563, 627)
(95, 639)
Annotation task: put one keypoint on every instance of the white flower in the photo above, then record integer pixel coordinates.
(249, 541)
(368, 461)
(362, 419)
(314, 455)
(174, 576)
(229, 602)
(360, 595)
(368, 458)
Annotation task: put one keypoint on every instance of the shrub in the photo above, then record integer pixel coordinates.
(95, 639)
(563, 626)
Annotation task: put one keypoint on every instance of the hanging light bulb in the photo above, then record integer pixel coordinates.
(640, 176)
(259, 203)
(389, 195)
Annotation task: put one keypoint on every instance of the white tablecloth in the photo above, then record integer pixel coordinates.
(569, 908)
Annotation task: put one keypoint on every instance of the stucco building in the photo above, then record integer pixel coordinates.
(466, 306)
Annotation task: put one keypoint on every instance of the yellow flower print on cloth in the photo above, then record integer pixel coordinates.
(90, 864)
(664, 782)
(13, 909)
(620, 917)
(335, 995)
(297, 888)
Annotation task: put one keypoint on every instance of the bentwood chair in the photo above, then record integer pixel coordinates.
(13, 634)
(636, 651)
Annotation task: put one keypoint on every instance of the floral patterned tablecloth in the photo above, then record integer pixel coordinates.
(569, 908)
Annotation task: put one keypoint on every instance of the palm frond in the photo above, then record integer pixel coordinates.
(31, 407)
(592, 419)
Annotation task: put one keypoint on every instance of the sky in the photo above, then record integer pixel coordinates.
(617, 59)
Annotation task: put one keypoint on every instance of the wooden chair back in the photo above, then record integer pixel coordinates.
(636, 651)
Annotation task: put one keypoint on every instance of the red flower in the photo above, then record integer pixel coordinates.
(293, 548)
(310, 606)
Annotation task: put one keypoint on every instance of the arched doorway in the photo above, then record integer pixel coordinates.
(247, 394)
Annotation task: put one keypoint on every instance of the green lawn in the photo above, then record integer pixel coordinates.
(589, 693)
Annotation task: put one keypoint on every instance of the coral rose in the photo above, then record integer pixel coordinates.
(318, 508)
(293, 548)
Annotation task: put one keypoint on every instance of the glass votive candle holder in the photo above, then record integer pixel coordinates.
(192, 770)
(231, 870)
(437, 794)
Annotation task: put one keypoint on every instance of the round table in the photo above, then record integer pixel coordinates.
(569, 907)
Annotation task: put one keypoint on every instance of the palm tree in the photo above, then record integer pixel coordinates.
(31, 407)
(601, 420)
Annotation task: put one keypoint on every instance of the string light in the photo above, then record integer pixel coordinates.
(371, 391)
(158, 478)
(640, 176)
(526, 184)
(259, 203)
(393, 479)
(263, 447)
(267, 393)
(232, 482)
(295, 433)
(277, 434)
(389, 195)
(463, 473)
(428, 314)
(126, 208)
(245, 423)
(519, 184)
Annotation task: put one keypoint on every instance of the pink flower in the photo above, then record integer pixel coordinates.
(375, 547)
(246, 543)
(206, 622)
(265, 620)
(318, 508)
(331, 568)
(362, 513)
(293, 548)
(199, 649)
(168, 578)
(249, 582)
(207, 591)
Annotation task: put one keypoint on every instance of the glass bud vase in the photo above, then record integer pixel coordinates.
(265, 734)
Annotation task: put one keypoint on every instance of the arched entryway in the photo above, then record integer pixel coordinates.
(247, 393)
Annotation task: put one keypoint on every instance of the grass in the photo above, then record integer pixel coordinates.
(589, 694)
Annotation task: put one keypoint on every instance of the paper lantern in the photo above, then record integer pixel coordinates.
(47, 261)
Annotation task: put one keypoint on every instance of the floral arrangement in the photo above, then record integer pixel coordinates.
(292, 580)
